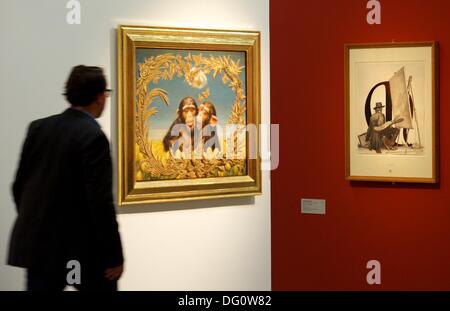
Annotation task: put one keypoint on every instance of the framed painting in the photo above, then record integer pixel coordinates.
(391, 112)
(188, 113)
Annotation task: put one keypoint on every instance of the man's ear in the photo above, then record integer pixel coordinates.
(99, 97)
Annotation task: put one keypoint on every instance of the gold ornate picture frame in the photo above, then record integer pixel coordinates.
(174, 84)
(391, 112)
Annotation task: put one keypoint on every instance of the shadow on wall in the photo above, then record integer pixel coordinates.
(371, 184)
(187, 205)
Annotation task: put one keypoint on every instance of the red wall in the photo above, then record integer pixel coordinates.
(405, 227)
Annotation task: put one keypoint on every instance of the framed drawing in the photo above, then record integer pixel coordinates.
(391, 112)
(187, 101)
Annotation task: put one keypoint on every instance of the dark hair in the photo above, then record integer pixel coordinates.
(84, 84)
(183, 103)
(211, 106)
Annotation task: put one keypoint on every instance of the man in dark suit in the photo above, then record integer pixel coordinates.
(63, 195)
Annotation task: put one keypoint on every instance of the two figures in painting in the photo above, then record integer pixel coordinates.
(392, 127)
(194, 128)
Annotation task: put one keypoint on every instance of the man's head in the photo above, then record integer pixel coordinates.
(86, 88)
(378, 107)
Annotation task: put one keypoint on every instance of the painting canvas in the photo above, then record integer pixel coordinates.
(391, 130)
(186, 103)
(213, 84)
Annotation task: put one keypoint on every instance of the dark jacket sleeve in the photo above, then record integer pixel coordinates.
(97, 166)
(22, 169)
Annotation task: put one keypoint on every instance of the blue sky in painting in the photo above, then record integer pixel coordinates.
(221, 95)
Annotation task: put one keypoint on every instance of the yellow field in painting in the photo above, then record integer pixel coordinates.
(222, 169)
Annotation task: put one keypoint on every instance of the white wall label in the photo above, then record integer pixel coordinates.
(313, 206)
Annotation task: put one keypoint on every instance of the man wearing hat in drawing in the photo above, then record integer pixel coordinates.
(381, 133)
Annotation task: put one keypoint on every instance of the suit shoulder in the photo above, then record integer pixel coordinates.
(78, 120)
(46, 119)
(43, 121)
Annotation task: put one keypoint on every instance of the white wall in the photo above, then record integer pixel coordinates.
(205, 245)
